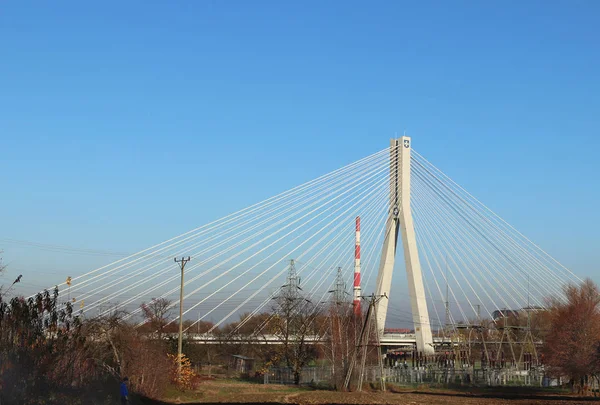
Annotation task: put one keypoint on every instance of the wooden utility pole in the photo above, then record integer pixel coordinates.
(369, 325)
(181, 262)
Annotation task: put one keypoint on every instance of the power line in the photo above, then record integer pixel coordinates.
(62, 248)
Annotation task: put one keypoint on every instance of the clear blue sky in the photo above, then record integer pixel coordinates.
(124, 123)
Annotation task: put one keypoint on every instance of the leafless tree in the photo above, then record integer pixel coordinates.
(296, 322)
(4, 290)
(157, 313)
(123, 350)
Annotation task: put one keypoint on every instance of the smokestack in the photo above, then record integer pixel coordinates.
(356, 303)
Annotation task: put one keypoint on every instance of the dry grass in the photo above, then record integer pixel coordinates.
(232, 391)
(228, 391)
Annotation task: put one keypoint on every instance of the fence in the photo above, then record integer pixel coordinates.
(308, 375)
(419, 375)
(464, 376)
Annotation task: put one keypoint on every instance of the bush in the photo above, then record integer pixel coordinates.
(189, 379)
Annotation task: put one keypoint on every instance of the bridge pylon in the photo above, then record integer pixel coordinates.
(400, 221)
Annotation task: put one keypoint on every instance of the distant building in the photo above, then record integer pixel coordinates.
(242, 364)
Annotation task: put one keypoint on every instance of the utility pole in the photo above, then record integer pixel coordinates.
(369, 326)
(337, 302)
(181, 263)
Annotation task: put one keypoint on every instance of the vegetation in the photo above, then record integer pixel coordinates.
(296, 320)
(572, 344)
(46, 350)
(49, 352)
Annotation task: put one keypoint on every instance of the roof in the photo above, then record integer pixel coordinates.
(238, 356)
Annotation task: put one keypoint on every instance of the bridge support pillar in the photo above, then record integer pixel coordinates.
(400, 219)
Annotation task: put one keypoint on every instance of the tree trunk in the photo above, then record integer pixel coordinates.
(297, 376)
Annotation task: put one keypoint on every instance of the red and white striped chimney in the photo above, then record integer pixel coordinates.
(356, 302)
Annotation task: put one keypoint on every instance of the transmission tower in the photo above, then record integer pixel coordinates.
(292, 286)
(339, 292)
(528, 341)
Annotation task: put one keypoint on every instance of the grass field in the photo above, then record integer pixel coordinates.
(233, 391)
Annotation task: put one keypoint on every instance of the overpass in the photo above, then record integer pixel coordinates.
(388, 339)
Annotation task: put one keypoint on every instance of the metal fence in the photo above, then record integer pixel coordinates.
(464, 376)
(420, 375)
(308, 375)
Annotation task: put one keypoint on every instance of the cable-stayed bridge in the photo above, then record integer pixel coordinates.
(452, 247)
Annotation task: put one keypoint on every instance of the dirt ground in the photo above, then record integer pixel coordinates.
(221, 392)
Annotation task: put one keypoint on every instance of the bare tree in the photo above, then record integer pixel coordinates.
(340, 338)
(3, 290)
(157, 313)
(122, 350)
(296, 322)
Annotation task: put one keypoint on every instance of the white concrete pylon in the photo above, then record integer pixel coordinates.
(400, 218)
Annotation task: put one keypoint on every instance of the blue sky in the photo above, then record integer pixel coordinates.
(125, 123)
